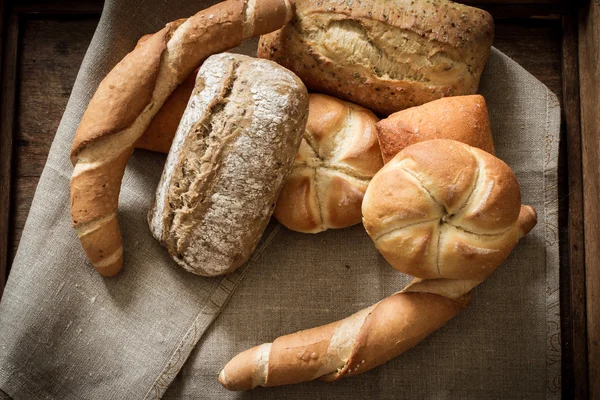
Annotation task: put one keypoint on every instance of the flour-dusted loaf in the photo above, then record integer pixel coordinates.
(234, 146)
(386, 55)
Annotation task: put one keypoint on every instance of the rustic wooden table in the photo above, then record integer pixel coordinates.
(43, 44)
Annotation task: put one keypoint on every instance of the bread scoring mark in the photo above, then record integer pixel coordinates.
(201, 161)
(113, 258)
(261, 370)
(399, 228)
(92, 226)
(389, 53)
(341, 344)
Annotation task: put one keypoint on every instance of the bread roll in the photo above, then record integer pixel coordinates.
(462, 118)
(443, 209)
(386, 55)
(338, 156)
(234, 146)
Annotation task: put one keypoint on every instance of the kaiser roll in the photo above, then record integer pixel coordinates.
(443, 209)
(338, 155)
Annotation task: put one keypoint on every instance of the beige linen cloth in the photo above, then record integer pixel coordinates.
(155, 330)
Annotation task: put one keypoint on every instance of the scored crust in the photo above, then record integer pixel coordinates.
(381, 57)
(235, 144)
(338, 155)
(443, 209)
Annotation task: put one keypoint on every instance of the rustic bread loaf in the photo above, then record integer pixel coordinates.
(443, 209)
(338, 156)
(234, 146)
(386, 55)
(462, 118)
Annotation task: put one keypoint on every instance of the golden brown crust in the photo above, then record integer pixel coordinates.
(395, 325)
(354, 50)
(299, 357)
(123, 94)
(462, 118)
(297, 207)
(443, 209)
(95, 194)
(338, 156)
(161, 131)
(240, 378)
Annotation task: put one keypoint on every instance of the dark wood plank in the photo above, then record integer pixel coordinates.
(7, 102)
(539, 54)
(575, 369)
(61, 7)
(51, 52)
(589, 77)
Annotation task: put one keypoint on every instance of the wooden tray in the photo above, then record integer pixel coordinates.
(43, 43)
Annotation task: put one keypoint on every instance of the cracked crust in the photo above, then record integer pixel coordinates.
(384, 55)
(235, 144)
(338, 156)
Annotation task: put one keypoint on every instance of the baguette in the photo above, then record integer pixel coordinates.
(386, 55)
(383, 331)
(235, 144)
(127, 100)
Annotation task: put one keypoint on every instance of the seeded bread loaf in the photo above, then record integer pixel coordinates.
(386, 55)
(235, 144)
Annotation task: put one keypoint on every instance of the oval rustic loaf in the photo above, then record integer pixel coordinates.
(386, 55)
(234, 146)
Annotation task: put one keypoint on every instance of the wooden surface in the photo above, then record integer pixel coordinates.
(7, 104)
(53, 37)
(589, 77)
(574, 317)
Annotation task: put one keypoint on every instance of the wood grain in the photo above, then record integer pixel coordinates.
(573, 314)
(52, 49)
(589, 77)
(7, 102)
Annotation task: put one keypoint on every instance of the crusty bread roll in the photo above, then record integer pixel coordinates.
(131, 95)
(475, 216)
(443, 209)
(462, 118)
(234, 146)
(338, 156)
(386, 55)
